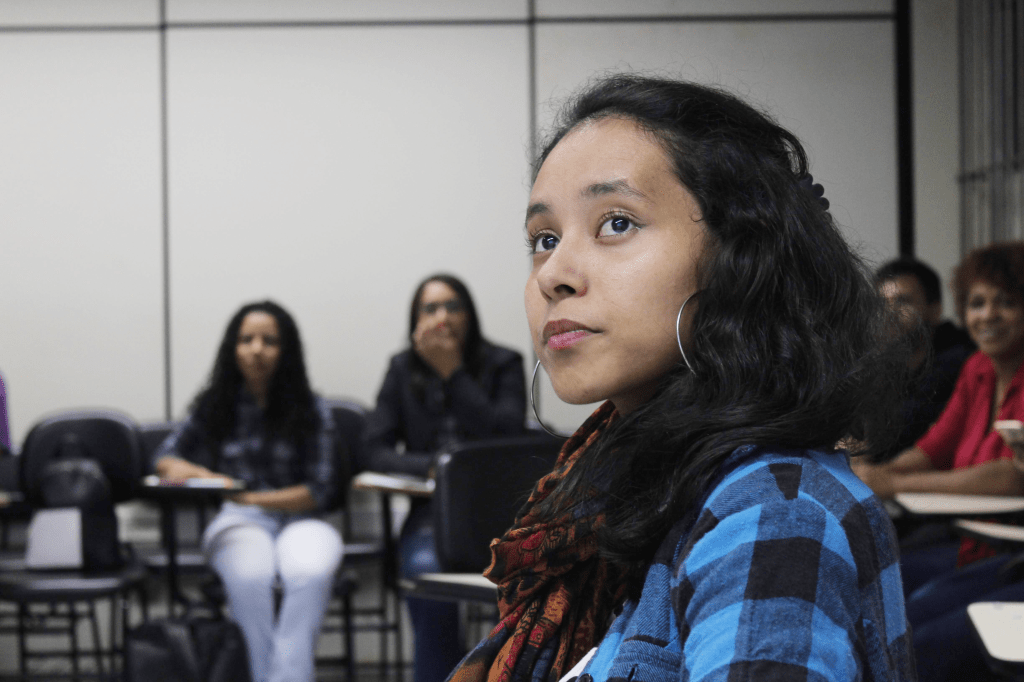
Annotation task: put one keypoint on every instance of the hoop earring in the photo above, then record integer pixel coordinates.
(679, 341)
(533, 402)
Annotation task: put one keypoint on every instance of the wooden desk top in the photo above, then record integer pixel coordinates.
(941, 504)
(393, 483)
(1001, 627)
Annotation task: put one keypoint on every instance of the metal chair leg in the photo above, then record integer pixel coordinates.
(23, 614)
(350, 647)
(73, 631)
(97, 644)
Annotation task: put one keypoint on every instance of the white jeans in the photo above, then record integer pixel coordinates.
(249, 547)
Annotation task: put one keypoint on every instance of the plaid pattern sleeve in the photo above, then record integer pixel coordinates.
(790, 572)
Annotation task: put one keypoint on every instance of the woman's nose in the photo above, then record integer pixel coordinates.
(562, 274)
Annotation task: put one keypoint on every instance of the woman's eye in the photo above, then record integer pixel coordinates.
(616, 225)
(544, 242)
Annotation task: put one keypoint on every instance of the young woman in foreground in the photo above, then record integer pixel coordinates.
(685, 271)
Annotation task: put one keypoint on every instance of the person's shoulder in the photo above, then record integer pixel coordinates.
(790, 498)
(500, 355)
(401, 361)
(977, 364)
(322, 407)
(770, 473)
(947, 336)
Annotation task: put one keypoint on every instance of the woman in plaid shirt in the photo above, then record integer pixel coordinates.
(259, 422)
(700, 525)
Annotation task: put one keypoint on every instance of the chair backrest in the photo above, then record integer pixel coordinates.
(479, 488)
(150, 437)
(108, 437)
(349, 424)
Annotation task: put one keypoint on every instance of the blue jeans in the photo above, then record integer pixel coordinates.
(944, 643)
(435, 624)
(918, 566)
(249, 547)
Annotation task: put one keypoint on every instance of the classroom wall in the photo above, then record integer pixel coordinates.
(330, 154)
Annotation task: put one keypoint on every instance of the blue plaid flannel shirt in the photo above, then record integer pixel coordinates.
(790, 572)
(263, 464)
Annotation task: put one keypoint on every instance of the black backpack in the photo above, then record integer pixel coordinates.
(74, 479)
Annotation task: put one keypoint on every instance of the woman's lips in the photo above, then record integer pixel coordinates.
(560, 334)
(560, 341)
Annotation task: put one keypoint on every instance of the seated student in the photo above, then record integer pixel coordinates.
(961, 453)
(946, 646)
(451, 385)
(685, 271)
(940, 347)
(258, 421)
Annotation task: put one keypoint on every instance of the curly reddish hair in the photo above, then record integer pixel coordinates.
(1001, 265)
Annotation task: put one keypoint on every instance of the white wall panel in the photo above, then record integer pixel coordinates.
(331, 169)
(832, 84)
(78, 12)
(937, 138)
(343, 10)
(80, 219)
(648, 8)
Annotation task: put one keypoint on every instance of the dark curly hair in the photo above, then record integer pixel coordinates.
(291, 408)
(1001, 265)
(792, 347)
(472, 348)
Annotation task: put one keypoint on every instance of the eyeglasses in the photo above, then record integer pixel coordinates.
(452, 305)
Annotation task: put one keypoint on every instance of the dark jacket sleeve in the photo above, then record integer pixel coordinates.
(480, 415)
(385, 429)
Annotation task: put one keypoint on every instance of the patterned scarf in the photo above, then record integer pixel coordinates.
(555, 595)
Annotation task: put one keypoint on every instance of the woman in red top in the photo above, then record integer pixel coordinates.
(961, 452)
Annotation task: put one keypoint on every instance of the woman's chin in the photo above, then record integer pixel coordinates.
(577, 395)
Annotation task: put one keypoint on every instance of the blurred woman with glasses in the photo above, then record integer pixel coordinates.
(451, 385)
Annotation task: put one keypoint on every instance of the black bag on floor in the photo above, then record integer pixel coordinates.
(189, 650)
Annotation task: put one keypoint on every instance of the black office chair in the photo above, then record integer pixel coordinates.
(479, 488)
(383, 616)
(110, 439)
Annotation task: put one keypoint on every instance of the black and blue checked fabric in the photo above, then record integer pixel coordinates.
(790, 572)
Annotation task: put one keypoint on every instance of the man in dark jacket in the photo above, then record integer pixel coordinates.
(940, 347)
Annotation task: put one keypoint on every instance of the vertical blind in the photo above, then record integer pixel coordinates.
(991, 121)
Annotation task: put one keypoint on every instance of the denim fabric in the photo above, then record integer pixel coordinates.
(944, 641)
(435, 624)
(919, 565)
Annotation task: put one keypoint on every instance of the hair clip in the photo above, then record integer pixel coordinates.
(817, 191)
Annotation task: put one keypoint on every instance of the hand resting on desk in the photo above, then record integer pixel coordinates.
(296, 498)
(1012, 433)
(178, 469)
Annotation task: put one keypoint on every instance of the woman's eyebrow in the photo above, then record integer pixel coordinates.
(613, 187)
(536, 209)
